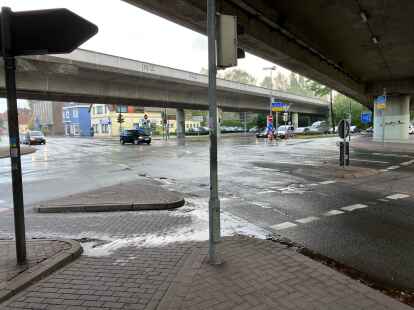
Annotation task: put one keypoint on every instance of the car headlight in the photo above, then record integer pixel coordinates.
(140, 137)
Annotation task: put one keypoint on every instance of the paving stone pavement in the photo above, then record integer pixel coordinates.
(262, 274)
(256, 274)
(37, 251)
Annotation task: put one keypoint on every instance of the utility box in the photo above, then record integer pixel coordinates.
(226, 41)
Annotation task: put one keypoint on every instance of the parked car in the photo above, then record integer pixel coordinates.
(253, 129)
(285, 131)
(135, 136)
(33, 137)
(262, 133)
(319, 127)
(369, 130)
(301, 130)
(354, 129)
(411, 129)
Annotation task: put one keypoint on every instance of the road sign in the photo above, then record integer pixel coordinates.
(380, 102)
(32, 33)
(343, 129)
(366, 117)
(279, 106)
(40, 32)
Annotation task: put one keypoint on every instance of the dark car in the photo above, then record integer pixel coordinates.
(135, 136)
(33, 137)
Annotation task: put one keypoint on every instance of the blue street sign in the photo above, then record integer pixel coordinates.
(279, 106)
(366, 117)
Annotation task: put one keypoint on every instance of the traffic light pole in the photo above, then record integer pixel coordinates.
(14, 140)
(214, 202)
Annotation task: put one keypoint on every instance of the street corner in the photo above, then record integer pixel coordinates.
(44, 256)
(131, 196)
(24, 150)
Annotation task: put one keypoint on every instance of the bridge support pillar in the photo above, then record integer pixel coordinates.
(180, 126)
(295, 119)
(391, 123)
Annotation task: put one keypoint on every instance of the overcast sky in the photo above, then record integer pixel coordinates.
(127, 31)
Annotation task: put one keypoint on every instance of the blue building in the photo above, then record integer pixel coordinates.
(77, 120)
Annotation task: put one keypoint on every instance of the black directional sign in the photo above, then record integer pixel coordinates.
(32, 33)
(343, 129)
(52, 31)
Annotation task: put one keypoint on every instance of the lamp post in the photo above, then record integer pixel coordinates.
(271, 69)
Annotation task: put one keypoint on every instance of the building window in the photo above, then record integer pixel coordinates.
(67, 114)
(99, 109)
(121, 109)
(105, 128)
(75, 113)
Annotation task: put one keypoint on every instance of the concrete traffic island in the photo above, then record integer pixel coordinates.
(133, 196)
(43, 258)
(24, 150)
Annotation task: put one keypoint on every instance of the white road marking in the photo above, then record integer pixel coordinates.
(354, 207)
(371, 161)
(393, 167)
(266, 192)
(313, 184)
(397, 196)
(333, 212)
(283, 225)
(327, 182)
(307, 219)
(383, 200)
(407, 163)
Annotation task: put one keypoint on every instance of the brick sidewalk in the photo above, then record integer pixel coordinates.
(257, 274)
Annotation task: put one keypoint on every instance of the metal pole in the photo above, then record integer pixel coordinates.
(214, 202)
(13, 119)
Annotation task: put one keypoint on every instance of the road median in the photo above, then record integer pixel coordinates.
(133, 196)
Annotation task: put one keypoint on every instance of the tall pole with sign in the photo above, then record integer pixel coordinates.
(16, 167)
(32, 33)
(214, 202)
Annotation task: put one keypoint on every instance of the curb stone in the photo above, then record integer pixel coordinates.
(109, 207)
(41, 270)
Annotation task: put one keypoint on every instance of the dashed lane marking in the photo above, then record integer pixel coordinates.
(283, 225)
(354, 207)
(397, 196)
(407, 163)
(327, 182)
(371, 161)
(383, 200)
(333, 212)
(393, 167)
(266, 192)
(307, 219)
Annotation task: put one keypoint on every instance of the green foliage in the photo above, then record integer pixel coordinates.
(2, 123)
(297, 85)
(317, 89)
(240, 76)
(121, 118)
(261, 121)
(231, 122)
(266, 83)
(342, 105)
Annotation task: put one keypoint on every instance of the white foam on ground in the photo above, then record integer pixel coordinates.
(197, 230)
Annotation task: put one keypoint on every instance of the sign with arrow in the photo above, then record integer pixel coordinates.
(54, 31)
(32, 33)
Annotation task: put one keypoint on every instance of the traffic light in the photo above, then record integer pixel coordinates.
(227, 44)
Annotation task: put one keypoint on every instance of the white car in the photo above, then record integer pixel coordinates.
(319, 127)
(302, 130)
(285, 131)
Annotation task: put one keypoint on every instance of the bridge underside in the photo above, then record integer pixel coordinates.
(358, 47)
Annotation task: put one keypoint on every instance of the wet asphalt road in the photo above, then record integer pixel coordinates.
(287, 188)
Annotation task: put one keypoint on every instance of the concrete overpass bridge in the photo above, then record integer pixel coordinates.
(358, 47)
(91, 77)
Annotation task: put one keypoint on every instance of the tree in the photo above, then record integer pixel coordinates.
(320, 90)
(266, 83)
(297, 85)
(241, 76)
(280, 82)
(342, 107)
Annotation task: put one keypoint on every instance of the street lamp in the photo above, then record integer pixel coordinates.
(271, 69)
